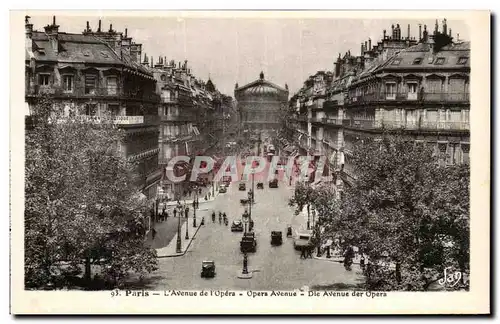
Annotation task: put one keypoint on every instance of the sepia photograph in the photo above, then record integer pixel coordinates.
(271, 158)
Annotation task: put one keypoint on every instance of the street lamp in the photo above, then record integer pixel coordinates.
(245, 220)
(187, 221)
(179, 242)
(195, 205)
(245, 263)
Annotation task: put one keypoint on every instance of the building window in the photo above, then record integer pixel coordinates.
(396, 61)
(417, 61)
(439, 61)
(91, 109)
(90, 84)
(112, 85)
(462, 60)
(390, 90)
(412, 91)
(43, 79)
(68, 83)
(114, 109)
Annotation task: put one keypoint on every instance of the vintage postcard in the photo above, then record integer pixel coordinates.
(265, 162)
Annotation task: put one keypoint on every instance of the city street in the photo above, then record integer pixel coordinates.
(273, 267)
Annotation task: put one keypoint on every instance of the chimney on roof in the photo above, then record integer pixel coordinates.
(419, 32)
(458, 37)
(52, 32)
(366, 46)
(385, 32)
(408, 37)
(425, 35)
(152, 61)
(99, 28)
(436, 27)
(393, 35)
(362, 49)
(369, 44)
(126, 31)
(445, 27)
(87, 29)
(145, 62)
(398, 32)
(29, 34)
(111, 28)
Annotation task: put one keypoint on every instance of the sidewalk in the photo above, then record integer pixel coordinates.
(201, 198)
(171, 249)
(165, 231)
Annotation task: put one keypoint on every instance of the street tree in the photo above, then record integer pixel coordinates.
(406, 207)
(81, 201)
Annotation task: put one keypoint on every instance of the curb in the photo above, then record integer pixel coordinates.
(170, 203)
(185, 251)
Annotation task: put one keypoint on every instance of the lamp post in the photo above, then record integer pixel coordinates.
(245, 263)
(179, 242)
(245, 221)
(187, 222)
(195, 205)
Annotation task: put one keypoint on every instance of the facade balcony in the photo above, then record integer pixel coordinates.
(169, 100)
(331, 121)
(117, 120)
(430, 97)
(178, 118)
(114, 93)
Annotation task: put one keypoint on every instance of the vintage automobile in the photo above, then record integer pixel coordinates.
(276, 238)
(260, 185)
(244, 201)
(273, 183)
(237, 226)
(302, 240)
(242, 186)
(222, 189)
(208, 269)
(248, 243)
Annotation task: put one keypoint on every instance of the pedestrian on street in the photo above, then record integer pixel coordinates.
(166, 215)
(303, 253)
(187, 212)
(153, 233)
(199, 191)
(175, 213)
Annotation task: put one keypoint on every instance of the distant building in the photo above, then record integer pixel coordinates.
(260, 104)
(418, 86)
(97, 75)
(191, 114)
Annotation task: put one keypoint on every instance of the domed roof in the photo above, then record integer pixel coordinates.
(261, 88)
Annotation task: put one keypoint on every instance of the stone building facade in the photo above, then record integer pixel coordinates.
(418, 86)
(260, 104)
(98, 75)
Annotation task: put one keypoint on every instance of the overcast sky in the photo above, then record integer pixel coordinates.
(236, 50)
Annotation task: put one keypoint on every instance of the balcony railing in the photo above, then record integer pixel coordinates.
(118, 120)
(332, 121)
(92, 92)
(180, 117)
(406, 125)
(460, 97)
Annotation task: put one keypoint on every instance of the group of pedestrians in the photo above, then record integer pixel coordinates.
(222, 217)
(307, 252)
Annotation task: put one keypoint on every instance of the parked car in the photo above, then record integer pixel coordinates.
(242, 186)
(276, 238)
(237, 226)
(260, 185)
(222, 189)
(302, 240)
(273, 183)
(208, 269)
